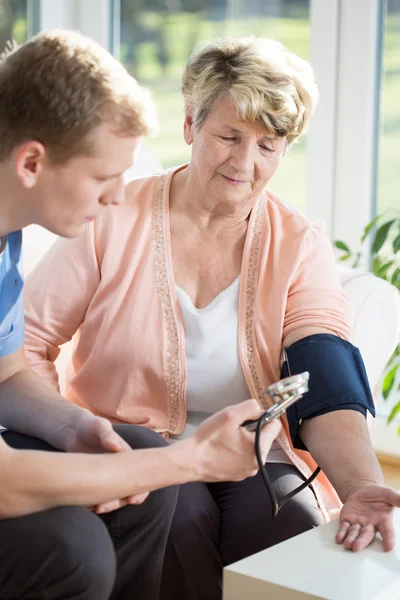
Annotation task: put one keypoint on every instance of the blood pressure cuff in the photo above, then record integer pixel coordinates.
(338, 380)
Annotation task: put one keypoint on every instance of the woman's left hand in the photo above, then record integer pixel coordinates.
(366, 511)
(94, 435)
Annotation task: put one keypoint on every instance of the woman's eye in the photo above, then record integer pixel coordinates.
(267, 149)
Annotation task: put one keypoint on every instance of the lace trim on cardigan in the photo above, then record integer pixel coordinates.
(251, 288)
(173, 372)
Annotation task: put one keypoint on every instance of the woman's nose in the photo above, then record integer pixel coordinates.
(243, 158)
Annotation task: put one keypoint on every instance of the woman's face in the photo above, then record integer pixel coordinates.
(233, 159)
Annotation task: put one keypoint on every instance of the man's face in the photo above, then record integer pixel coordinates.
(69, 195)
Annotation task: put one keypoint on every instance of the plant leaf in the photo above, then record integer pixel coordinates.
(395, 280)
(385, 268)
(396, 244)
(394, 412)
(345, 257)
(381, 236)
(388, 381)
(342, 246)
(376, 265)
(395, 354)
(369, 227)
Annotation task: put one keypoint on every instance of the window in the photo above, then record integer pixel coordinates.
(388, 192)
(389, 174)
(13, 21)
(157, 38)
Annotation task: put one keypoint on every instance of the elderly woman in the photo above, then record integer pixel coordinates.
(183, 299)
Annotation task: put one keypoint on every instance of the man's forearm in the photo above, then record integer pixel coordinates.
(30, 406)
(339, 442)
(37, 480)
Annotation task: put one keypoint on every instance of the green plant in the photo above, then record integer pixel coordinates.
(381, 242)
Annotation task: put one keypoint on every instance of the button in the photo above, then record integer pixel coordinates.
(15, 281)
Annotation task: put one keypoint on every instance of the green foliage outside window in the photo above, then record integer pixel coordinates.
(13, 21)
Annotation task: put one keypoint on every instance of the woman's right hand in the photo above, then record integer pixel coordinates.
(225, 450)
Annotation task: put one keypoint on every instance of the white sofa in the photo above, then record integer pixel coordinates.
(375, 319)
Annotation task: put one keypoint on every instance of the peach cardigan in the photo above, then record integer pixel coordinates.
(113, 288)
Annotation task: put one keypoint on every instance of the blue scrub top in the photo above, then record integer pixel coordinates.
(11, 298)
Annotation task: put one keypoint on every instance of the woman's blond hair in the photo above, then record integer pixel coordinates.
(268, 83)
(58, 86)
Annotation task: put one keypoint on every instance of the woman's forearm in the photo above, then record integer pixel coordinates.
(339, 442)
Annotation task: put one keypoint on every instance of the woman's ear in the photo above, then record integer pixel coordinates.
(29, 162)
(188, 125)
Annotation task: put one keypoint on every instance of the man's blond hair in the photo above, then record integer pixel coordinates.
(268, 83)
(58, 86)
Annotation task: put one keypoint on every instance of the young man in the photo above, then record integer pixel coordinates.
(71, 121)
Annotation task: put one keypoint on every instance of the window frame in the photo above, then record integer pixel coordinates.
(342, 178)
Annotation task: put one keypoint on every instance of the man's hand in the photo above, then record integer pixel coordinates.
(225, 449)
(96, 435)
(366, 511)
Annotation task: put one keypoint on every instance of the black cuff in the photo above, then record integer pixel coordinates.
(337, 380)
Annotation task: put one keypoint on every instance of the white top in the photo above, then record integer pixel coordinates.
(214, 374)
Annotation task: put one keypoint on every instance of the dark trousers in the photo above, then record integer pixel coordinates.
(217, 524)
(71, 553)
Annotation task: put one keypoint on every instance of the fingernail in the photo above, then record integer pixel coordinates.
(115, 444)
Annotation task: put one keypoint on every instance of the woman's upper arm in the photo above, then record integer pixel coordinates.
(298, 334)
(316, 302)
(56, 296)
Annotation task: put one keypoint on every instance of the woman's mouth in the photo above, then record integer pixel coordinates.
(234, 182)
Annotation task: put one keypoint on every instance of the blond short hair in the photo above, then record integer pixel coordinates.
(267, 83)
(58, 86)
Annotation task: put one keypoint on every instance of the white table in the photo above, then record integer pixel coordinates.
(311, 565)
